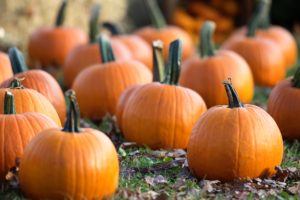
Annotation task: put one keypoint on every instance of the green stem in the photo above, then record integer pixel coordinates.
(157, 18)
(16, 83)
(174, 63)
(264, 22)
(17, 60)
(158, 61)
(72, 124)
(61, 14)
(255, 19)
(9, 103)
(207, 47)
(93, 23)
(112, 28)
(106, 50)
(296, 79)
(233, 97)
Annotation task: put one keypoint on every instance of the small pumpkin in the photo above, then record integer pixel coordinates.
(99, 86)
(38, 80)
(234, 141)
(16, 131)
(50, 45)
(86, 55)
(204, 73)
(161, 115)
(29, 100)
(5, 67)
(69, 163)
(166, 33)
(282, 106)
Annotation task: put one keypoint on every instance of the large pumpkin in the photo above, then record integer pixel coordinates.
(69, 163)
(99, 86)
(283, 106)
(16, 132)
(50, 45)
(29, 100)
(161, 115)
(38, 80)
(234, 141)
(204, 73)
(5, 67)
(166, 33)
(86, 55)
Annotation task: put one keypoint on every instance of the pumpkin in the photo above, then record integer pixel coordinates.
(161, 115)
(204, 73)
(49, 45)
(160, 31)
(263, 55)
(16, 131)
(99, 86)
(38, 80)
(282, 106)
(234, 141)
(5, 67)
(86, 55)
(29, 100)
(69, 163)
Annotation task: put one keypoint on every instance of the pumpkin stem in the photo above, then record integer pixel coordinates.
(112, 28)
(72, 123)
(61, 13)
(158, 61)
(93, 23)
(16, 83)
(296, 79)
(106, 50)
(17, 60)
(265, 21)
(157, 18)
(233, 97)
(9, 103)
(207, 47)
(255, 19)
(174, 63)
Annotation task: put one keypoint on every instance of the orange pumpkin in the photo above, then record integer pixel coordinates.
(29, 100)
(283, 106)
(99, 86)
(161, 115)
(5, 67)
(204, 73)
(38, 80)
(234, 141)
(165, 33)
(50, 45)
(86, 55)
(69, 163)
(16, 131)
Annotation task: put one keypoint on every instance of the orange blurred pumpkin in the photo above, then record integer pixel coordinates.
(29, 100)
(99, 86)
(161, 115)
(69, 163)
(38, 80)
(204, 73)
(16, 131)
(5, 67)
(49, 46)
(234, 141)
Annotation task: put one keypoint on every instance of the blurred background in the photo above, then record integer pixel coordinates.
(19, 18)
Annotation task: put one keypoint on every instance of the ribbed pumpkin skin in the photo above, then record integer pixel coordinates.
(99, 87)
(29, 100)
(60, 165)
(167, 35)
(16, 132)
(86, 55)
(229, 143)
(282, 106)
(5, 67)
(264, 58)
(45, 84)
(205, 75)
(161, 116)
(50, 45)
